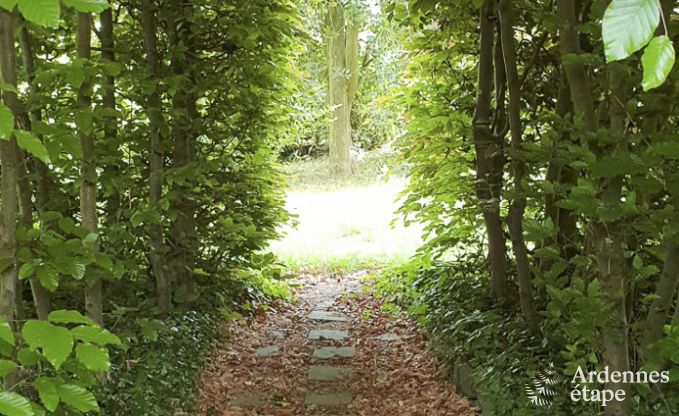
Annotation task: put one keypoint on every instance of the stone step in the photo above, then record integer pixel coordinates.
(327, 316)
(268, 351)
(332, 352)
(328, 373)
(330, 334)
(331, 399)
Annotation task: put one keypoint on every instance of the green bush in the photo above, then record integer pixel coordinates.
(157, 373)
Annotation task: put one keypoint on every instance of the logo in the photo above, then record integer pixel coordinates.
(541, 390)
(602, 386)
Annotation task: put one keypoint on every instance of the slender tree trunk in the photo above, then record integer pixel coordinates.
(666, 287)
(339, 139)
(8, 182)
(486, 154)
(154, 111)
(88, 170)
(608, 240)
(518, 207)
(43, 178)
(109, 103)
(183, 231)
(564, 175)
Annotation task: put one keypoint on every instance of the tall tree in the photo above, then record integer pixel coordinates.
(109, 104)
(489, 157)
(342, 29)
(88, 168)
(156, 166)
(184, 122)
(339, 139)
(518, 207)
(9, 181)
(41, 296)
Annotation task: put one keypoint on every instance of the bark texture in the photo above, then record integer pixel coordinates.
(339, 138)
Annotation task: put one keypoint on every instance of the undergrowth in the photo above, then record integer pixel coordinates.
(467, 330)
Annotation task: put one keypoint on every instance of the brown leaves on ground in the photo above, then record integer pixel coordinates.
(396, 377)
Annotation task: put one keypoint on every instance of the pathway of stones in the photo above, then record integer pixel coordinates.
(334, 352)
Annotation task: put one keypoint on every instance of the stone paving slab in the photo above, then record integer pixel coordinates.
(330, 334)
(318, 315)
(332, 399)
(328, 373)
(278, 334)
(331, 352)
(268, 351)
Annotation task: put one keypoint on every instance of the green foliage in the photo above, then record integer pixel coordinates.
(658, 60)
(156, 374)
(73, 361)
(628, 26)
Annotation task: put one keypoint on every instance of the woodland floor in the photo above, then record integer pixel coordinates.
(332, 352)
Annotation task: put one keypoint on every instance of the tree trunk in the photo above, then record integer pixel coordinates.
(156, 238)
(564, 220)
(666, 287)
(111, 121)
(41, 296)
(608, 240)
(353, 30)
(486, 155)
(8, 182)
(43, 178)
(88, 170)
(339, 138)
(183, 231)
(518, 207)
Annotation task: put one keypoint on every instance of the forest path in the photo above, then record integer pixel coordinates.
(333, 352)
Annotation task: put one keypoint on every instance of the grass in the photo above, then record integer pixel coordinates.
(312, 174)
(345, 224)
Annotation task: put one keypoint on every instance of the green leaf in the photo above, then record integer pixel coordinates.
(8, 4)
(95, 334)
(27, 357)
(92, 357)
(93, 6)
(47, 391)
(26, 270)
(657, 60)
(27, 141)
(78, 398)
(628, 26)
(56, 342)
(69, 317)
(41, 12)
(12, 404)
(48, 276)
(6, 333)
(6, 122)
(6, 367)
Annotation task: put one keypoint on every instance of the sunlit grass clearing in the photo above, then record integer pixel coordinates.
(347, 229)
